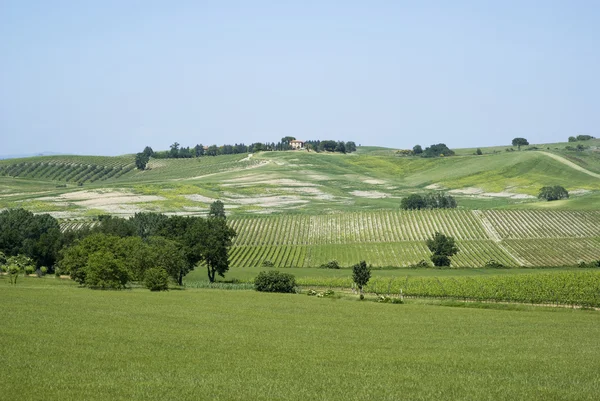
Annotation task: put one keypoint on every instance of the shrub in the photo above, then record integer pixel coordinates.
(156, 279)
(275, 281)
(332, 264)
(494, 264)
(29, 270)
(478, 152)
(43, 270)
(420, 263)
(268, 263)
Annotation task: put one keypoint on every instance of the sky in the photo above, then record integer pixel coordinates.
(110, 77)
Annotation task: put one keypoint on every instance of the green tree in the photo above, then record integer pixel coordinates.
(437, 150)
(417, 149)
(141, 160)
(361, 274)
(104, 271)
(36, 236)
(412, 202)
(350, 147)
(442, 248)
(217, 209)
(174, 152)
(215, 245)
(478, 152)
(572, 139)
(212, 150)
(148, 151)
(169, 256)
(553, 193)
(518, 142)
(340, 147)
(584, 137)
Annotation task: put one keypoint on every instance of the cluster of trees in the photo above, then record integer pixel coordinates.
(553, 193)
(438, 200)
(177, 151)
(580, 138)
(436, 150)
(115, 251)
(330, 146)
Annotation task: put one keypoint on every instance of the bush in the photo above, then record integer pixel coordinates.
(420, 263)
(332, 264)
(156, 279)
(43, 270)
(478, 152)
(494, 264)
(268, 263)
(275, 281)
(29, 270)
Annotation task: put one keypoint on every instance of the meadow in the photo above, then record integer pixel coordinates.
(76, 343)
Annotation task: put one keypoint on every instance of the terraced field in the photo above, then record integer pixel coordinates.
(396, 238)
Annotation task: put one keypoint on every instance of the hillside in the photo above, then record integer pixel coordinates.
(296, 181)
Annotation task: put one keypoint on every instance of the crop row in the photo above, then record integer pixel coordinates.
(561, 288)
(64, 172)
(472, 254)
(361, 227)
(518, 224)
(164, 169)
(555, 251)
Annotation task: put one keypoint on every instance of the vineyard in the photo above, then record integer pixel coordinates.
(396, 238)
(90, 169)
(79, 169)
(559, 288)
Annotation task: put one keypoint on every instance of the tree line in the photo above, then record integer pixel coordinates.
(116, 250)
(177, 151)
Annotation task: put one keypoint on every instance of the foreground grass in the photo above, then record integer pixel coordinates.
(61, 342)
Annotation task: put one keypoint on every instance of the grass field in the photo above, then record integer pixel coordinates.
(236, 345)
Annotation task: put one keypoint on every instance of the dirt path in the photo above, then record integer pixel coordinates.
(571, 164)
(493, 234)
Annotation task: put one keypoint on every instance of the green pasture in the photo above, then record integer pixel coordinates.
(61, 342)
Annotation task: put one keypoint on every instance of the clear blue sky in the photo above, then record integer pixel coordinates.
(109, 77)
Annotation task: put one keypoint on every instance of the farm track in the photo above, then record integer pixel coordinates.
(570, 164)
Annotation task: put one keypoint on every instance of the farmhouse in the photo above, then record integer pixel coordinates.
(296, 144)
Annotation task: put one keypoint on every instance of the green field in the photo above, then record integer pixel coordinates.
(239, 345)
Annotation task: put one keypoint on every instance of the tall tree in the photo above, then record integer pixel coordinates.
(518, 142)
(141, 160)
(217, 209)
(442, 248)
(361, 274)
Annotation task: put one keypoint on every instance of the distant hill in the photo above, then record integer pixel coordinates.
(301, 182)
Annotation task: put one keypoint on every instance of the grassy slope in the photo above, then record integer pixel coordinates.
(96, 345)
(301, 182)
